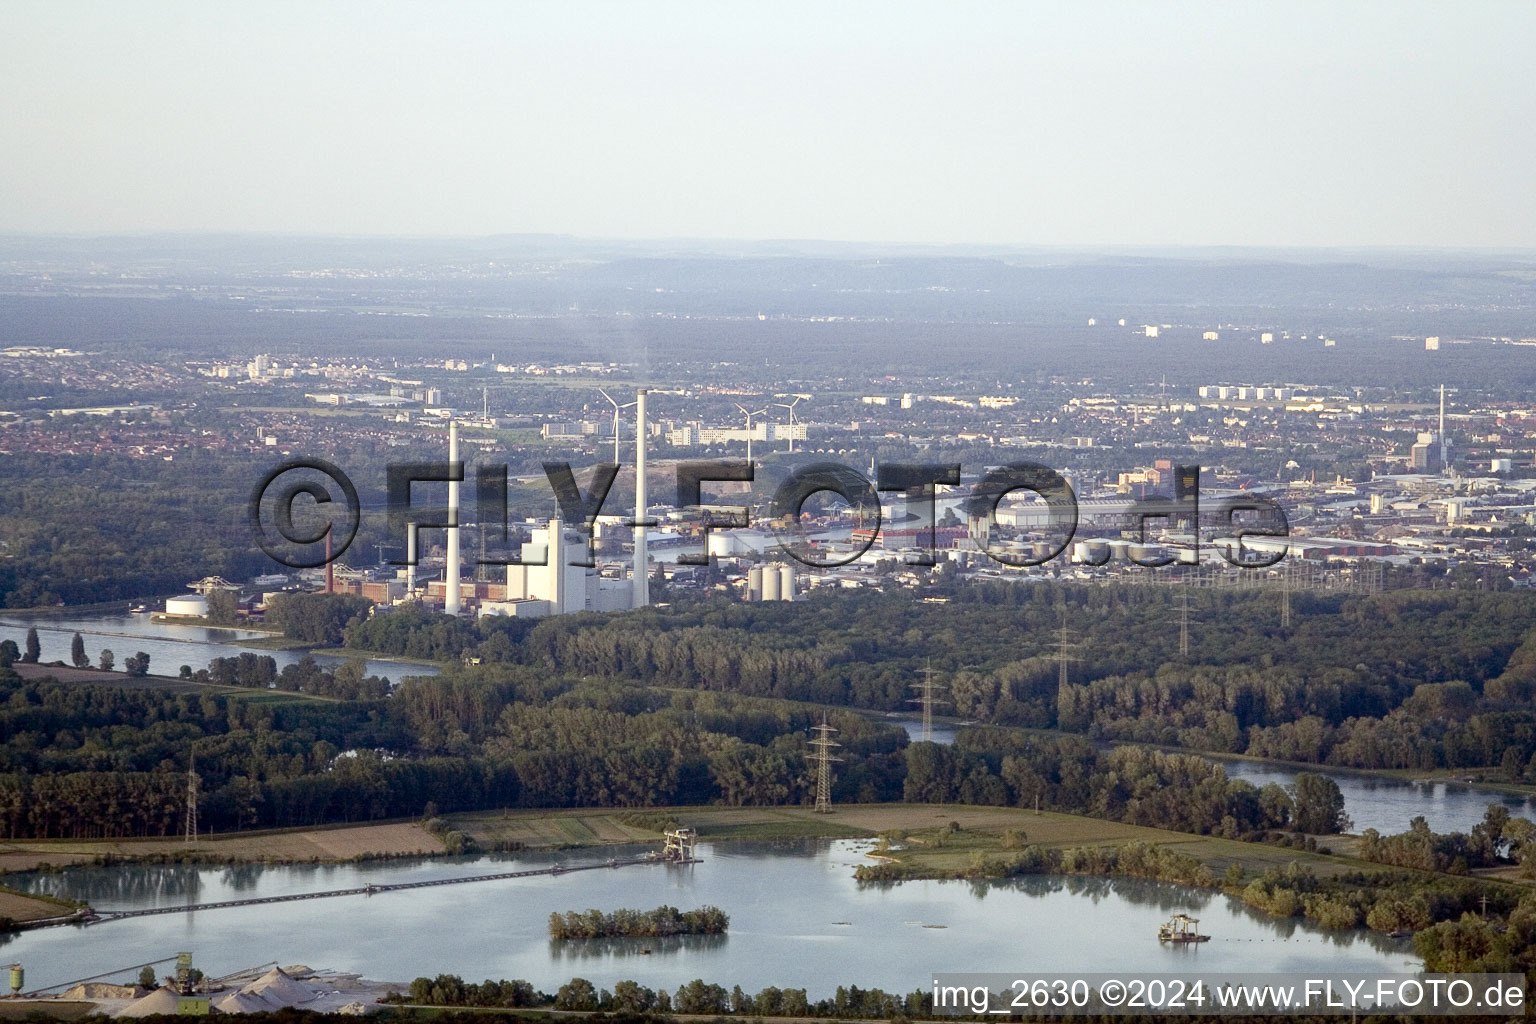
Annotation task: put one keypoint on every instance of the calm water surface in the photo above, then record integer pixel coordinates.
(169, 645)
(1387, 805)
(798, 919)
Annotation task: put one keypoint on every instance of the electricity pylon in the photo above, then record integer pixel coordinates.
(823, 757)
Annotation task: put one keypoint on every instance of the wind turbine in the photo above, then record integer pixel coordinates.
(790, 408)
(750, 413)
(616, 408)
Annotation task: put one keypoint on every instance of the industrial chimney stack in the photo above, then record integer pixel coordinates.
(451, 590)
(641, 581)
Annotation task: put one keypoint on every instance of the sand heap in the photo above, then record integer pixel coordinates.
(272, 991)
(161, 1000)
(102, 990)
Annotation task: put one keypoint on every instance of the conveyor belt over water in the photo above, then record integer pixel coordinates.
(99, 916)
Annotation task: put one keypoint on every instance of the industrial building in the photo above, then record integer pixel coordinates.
(547, 584)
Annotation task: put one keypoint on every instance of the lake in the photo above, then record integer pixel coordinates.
(798, 919)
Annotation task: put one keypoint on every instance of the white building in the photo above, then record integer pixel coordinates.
(557, 587)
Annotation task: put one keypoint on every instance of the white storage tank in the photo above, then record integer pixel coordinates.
(770, 583)
(1091, 552)
(786, 583)
(723, 544)
(194, 605)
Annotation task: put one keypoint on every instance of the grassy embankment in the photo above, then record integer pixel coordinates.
(23, 908)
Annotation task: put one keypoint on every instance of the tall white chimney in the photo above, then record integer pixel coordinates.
(410, 558)
(1444, 469)
(641, 582)
(451, 592)
(555, 556)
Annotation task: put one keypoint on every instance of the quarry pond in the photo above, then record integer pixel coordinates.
(797, 919)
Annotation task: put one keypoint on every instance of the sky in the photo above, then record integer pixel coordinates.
(1146, 124)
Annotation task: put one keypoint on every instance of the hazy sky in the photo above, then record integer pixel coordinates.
(1156, 123)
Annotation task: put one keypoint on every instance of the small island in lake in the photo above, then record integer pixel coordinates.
(594, 924)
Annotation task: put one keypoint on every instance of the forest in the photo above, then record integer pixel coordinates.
(82, 762)
(1401, 679)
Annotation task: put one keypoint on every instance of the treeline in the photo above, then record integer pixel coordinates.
(695, 997)
(1135, 860)
(1136, 785)
(259, 671)
(360, 786)
(1497, 839)
(625, 923)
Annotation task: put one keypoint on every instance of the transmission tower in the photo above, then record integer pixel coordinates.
(191, 799)
(822, 755)
(1285, 596)
(1184, 624)
(928, 695)
(1065, 646)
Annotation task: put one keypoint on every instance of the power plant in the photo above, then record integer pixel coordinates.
(542, 581)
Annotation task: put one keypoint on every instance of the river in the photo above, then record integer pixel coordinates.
(798, 919)
(168, 644)
(1388, 805)
(1371, 801)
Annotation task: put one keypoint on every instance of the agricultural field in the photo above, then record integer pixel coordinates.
(19, 907)
(330, 844)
